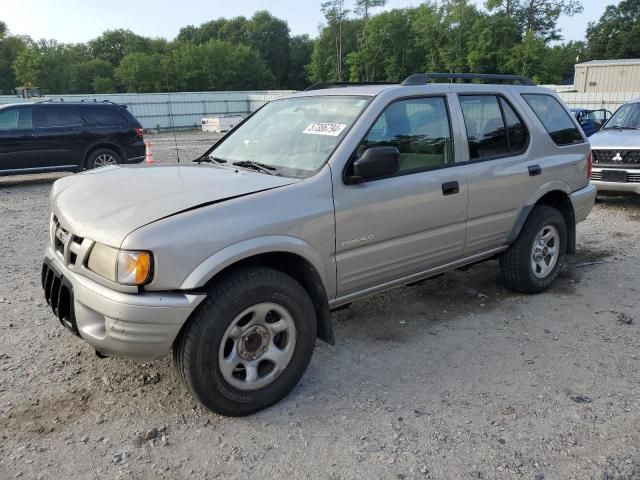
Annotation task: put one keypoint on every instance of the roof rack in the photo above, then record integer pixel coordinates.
(325, 85)
(422, 78)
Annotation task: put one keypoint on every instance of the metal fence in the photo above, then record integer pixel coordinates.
(596, 100)
(174, 110)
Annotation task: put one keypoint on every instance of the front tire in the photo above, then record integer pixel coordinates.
(533, 261)
(249, 343)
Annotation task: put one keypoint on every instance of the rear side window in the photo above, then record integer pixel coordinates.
(104, 116)
(555, 119)
(493, 127)
(47, 117)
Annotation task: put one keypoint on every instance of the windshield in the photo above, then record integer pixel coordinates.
(627, 117)
(294, 135)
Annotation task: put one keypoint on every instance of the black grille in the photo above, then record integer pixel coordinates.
(616, 157)
(58, 292)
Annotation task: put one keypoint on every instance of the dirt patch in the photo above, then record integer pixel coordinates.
(45, 415)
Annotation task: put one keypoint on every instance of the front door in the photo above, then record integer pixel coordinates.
(389, 228)
(18, 147)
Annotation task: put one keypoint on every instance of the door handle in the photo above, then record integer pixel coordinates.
(450, 188)
(535, 170)
(28, 135)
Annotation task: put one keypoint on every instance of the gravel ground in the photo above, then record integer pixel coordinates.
(455, 378)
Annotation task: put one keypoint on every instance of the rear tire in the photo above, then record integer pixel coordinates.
(102, 157)
(249, 342)
(533, 261)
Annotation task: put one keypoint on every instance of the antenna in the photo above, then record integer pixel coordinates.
(173, 125)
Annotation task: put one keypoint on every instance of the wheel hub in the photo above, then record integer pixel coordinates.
(253, 343)
(545, 252)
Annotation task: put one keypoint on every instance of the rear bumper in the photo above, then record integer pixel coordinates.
(138, 326)
(582, 201)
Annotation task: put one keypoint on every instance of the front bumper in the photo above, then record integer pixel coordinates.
(631, 185)
(139, 326)
(583, 201)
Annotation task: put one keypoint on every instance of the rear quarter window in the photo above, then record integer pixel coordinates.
(104, 116)
(556, 120)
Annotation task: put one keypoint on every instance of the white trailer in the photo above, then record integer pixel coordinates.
(220, 124)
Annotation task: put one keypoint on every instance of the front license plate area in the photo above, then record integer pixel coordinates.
(614, 176)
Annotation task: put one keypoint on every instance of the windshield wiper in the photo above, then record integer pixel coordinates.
(618, 127)
(208, 159)
(261, 167)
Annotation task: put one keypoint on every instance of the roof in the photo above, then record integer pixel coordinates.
(622, 61)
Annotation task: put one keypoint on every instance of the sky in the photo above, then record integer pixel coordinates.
(81, 20)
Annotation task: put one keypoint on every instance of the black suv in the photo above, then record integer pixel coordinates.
(67, 136)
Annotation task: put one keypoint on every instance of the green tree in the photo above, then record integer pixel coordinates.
(323, 66)
(84, 75)
(270, 36)
(363, 7)
(336, 16)
(10, 49)
(528, 58)
(386, 49)
(49, 65)
(491, 39)
(617, 33)
(537, 16)
(114, 45)
(142, 72)
(300, 51)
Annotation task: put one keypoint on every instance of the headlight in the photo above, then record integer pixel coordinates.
(121, 266)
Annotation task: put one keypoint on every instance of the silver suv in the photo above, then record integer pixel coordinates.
(616, 151)
(235, 261)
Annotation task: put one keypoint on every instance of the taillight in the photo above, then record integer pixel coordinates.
(589, 165)
(140, 132)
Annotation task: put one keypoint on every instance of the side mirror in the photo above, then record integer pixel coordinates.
(375, 162)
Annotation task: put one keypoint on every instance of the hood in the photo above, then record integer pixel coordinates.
(108, 203)
(612, 138)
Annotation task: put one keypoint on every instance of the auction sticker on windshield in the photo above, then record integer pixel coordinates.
(330, 129)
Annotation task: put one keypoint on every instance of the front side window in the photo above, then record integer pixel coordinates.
(295, 136)
(9, 119)
(555, 118)
(49, 117)
(627, 117)
(419, 129)
(16, 119)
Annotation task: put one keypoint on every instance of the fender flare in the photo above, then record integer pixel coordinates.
(552, 186)
(236, 252)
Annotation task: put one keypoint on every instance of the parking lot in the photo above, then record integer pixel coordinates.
(454, 378)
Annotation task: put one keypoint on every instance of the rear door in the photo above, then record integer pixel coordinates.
(503, 167)
(390, 228)
(62, 133)
(18, 147)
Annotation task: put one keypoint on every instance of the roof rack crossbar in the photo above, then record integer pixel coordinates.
(422, 78)
(325, 85)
